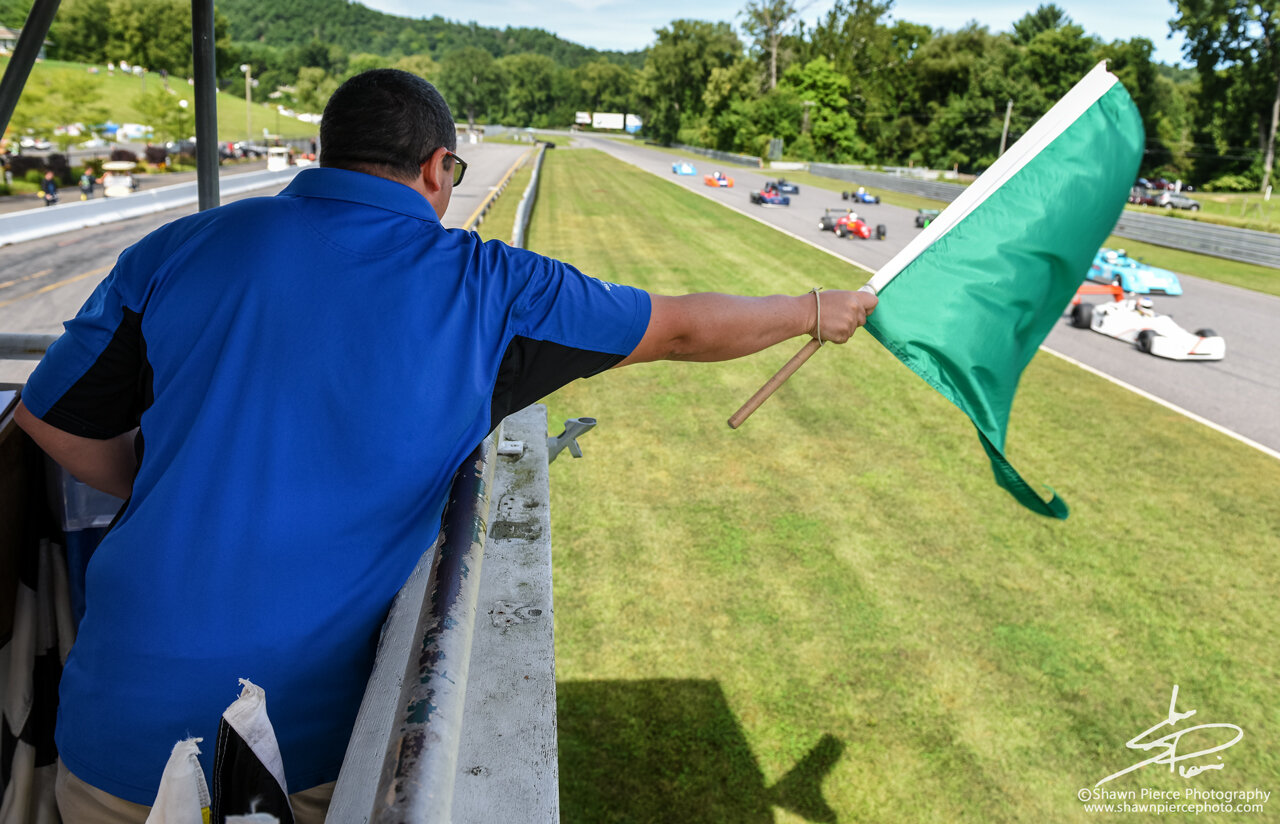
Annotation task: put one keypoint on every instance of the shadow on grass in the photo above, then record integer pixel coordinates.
(672, 751)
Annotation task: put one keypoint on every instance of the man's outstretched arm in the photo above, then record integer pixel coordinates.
(712, 327)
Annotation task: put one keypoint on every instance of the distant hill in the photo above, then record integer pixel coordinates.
(358, 28)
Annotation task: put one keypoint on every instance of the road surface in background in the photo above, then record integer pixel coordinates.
(1240, 393)
(44, 282)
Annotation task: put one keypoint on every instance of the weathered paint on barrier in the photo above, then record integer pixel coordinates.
(421, 759)
(32, 224)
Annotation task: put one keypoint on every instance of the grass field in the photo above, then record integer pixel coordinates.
(118, 92)
(833, 614)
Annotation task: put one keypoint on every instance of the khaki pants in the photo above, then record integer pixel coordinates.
(81, 803)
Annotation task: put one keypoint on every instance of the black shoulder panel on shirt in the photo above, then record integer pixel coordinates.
(532, 369)
(110, 397)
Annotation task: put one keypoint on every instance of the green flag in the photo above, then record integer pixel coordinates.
(968, 302)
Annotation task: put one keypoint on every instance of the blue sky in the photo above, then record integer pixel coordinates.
(629, 24)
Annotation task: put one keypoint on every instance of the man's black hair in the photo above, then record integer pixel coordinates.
(385, 121)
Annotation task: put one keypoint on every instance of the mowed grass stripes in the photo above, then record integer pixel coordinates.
(833, 614)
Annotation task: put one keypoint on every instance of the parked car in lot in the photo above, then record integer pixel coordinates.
(1177, 200)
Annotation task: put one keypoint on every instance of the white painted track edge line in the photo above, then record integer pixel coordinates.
(1166, 404)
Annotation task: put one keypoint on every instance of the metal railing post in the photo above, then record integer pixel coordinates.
(206, 93)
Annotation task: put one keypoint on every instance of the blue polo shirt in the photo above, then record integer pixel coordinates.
(307, 372)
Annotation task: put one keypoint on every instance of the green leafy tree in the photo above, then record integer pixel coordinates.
(1236, 50)
(470, 82)
(81, 30)
(1044, 18)
(165, 113)
(605, 87)
(420, 64)
(1053, 61)
(964, 79)
(78, 99)
(877, 57)
(154, 34)
(314, 88)
(676, 71)
(362, 61)
(14, 12)
(767, 22)
(530, 81)
(824, 95)
(51, 102)
(729, 124)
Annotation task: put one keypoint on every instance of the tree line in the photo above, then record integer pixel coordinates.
(856, 86)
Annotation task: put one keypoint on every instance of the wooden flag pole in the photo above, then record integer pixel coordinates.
(773, 383)
(780, 377)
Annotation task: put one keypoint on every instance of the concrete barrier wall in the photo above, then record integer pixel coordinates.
(52, 220)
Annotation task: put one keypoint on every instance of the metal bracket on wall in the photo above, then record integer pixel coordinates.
(573, 428)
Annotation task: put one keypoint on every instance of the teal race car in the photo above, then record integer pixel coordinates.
(1114, 266)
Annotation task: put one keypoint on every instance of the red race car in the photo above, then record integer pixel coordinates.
(846, 223)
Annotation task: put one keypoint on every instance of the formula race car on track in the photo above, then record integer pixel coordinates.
(1114, 266)
(926, 216)
(1133, 320)
(784, 186)
(861, 195)
(683, 169)
(846, 223)
(718, 179)
(770, 196)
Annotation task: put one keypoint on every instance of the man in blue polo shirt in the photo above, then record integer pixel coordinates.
(282, 388)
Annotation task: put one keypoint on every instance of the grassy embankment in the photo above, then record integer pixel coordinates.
(833, 613)
(1246, 275)
(118, 92)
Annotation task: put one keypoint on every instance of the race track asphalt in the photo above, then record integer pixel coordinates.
(1240, 393)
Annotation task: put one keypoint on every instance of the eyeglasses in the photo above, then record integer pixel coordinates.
(459, 167)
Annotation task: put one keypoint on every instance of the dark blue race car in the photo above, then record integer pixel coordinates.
(860, 195)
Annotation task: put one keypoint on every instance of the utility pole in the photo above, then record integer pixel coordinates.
(248, 101)
(1004, 136)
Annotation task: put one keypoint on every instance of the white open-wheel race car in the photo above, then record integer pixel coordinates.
(1132, 319)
